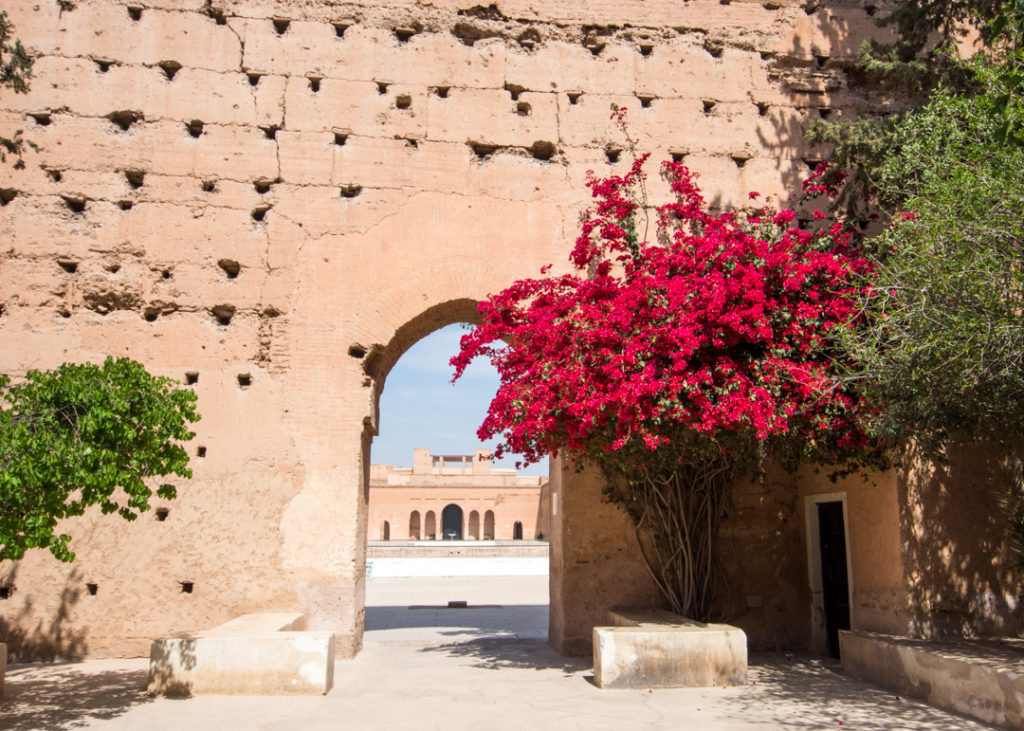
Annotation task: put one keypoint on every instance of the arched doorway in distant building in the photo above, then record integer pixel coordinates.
(414, 525)
(489, 525)
(474, 526)
(517, 531)
(451, 523)
(430, 527)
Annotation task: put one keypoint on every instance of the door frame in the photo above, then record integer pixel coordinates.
(819, 631)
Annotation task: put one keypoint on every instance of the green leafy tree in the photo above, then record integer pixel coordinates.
(86, 435)
(15, 72)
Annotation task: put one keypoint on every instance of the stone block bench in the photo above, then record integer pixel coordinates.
(255, 654)
(658, 649)
(979, 678)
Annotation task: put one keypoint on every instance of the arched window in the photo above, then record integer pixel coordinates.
(489, 526)
(451, 523)
(430, 526)
(517, 531)
(385, 532)
(414, 525)
(474, 526)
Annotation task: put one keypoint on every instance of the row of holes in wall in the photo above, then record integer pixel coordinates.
(6, 592)
(230, 267)
(469, 34)
(192, 378)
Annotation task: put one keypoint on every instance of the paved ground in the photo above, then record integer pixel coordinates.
(480, 668)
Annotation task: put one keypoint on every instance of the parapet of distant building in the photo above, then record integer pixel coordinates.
(456, 497)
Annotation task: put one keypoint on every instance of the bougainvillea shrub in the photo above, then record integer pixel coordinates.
(678, 362)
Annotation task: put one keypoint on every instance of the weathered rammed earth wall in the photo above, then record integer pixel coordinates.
(279, 198)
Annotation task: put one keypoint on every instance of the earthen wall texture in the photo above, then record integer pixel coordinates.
(273, 200)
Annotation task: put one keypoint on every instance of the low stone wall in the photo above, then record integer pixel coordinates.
(255, 654)
(658, 649)
(980, 678)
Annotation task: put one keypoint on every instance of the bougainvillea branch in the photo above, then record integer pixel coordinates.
(677, 364)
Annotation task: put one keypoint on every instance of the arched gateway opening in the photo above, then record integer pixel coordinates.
(451, 512)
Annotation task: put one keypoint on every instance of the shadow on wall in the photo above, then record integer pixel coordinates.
(63, 697)
(171, 662)
(954, 540)
(49, 638)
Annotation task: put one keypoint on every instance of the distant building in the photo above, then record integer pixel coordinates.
(461, 497)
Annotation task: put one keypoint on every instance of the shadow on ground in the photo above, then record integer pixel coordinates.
(492, 653)
(488, 620)
(62, 696)
(815, 692)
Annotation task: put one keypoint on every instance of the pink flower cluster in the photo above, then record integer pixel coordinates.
(724, 323)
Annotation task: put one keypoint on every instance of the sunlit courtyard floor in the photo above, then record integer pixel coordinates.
(425, 666)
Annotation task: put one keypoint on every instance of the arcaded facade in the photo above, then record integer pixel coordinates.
(455, 497)
(271, 200)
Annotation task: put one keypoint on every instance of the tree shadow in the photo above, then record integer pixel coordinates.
(815, 692)
(63, 696)
(30, 637)
(495, 653)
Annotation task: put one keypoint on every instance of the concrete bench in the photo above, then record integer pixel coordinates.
(979, 678)
(658, 649)
(255, 654)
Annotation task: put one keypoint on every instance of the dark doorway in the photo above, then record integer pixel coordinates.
(451, 523)
(834, 580)
(517, 531)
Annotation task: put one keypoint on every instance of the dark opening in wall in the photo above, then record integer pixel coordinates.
(281, 25)
(254, 79)
(208, 186)
(410, 141)
(103, 64)
(382, 87)
(762, 108)
(201, 452)
(5, 592)
(442, 91)
(134, 12)
(482, 149)
(125, 118)
(259, 213)
(65, 312)
(708, 106)
(165, 274)
(244, 380)
(740, 159)
(574, 96)
(351, 191)
(161, 514)
(68, 266)
(403, 101)
(405, 33)
(135, 178)
(612, 154)
(195, 128)
(43, 119)
(7, 195)
(514, 90)
(218, 15)
(340, 28)
(113, 268)
(262, 186)
(270, 132)
(191, 378)
(357, 351)
(811, 164)
(870, 9)
(74, 203)
(543, 150)
(824, 112)
(230, 266)
(150, 314)
(714, 47)
(645, 100)
(186, 586)
(314, 83)
(223, 314)
(55, 175)
(125, 205)
(523, 109)
(677, 155)
(92, 588)
(646, 49)
(170, 68)
(822, 60)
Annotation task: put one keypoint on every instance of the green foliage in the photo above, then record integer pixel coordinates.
(945, 353)
(86, 435)
(15, 72)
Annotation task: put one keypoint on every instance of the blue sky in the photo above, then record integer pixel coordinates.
(420, 408)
